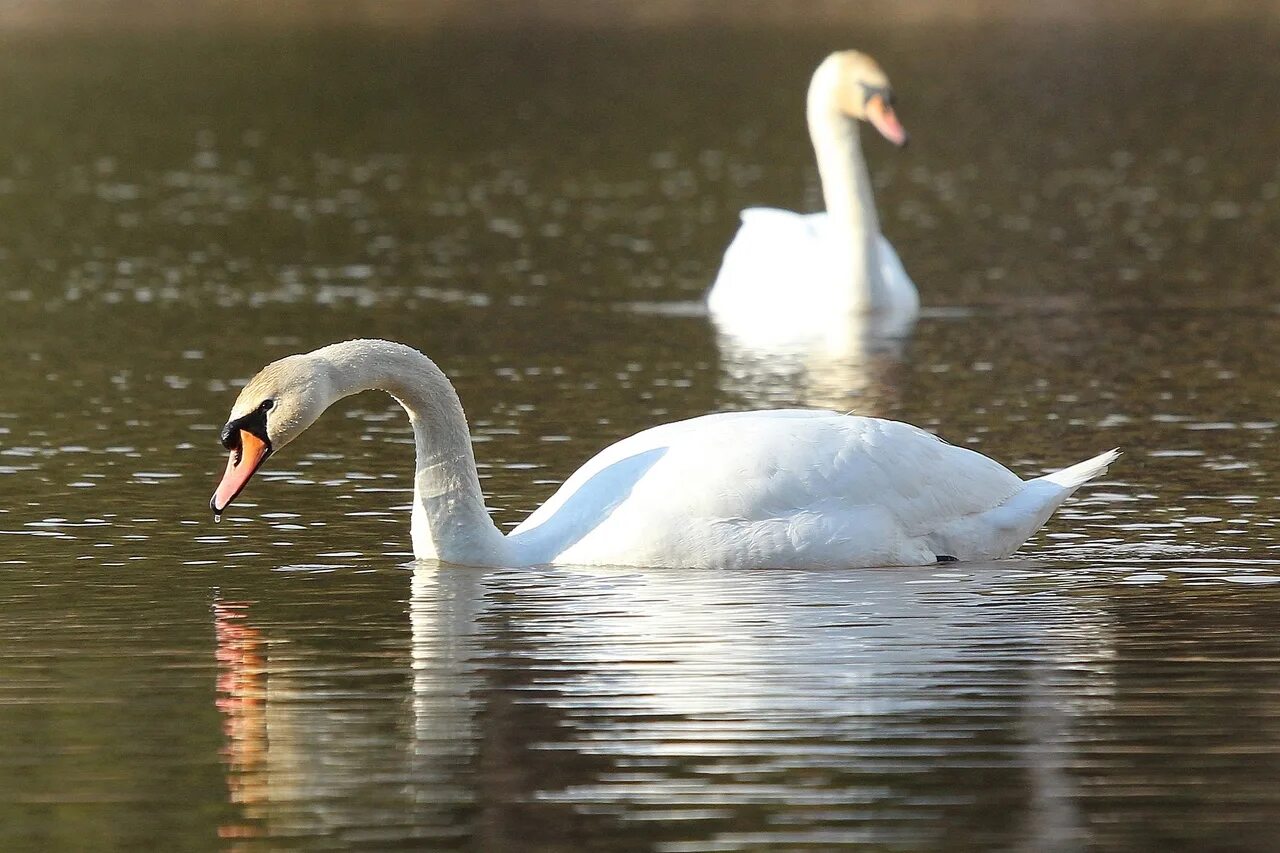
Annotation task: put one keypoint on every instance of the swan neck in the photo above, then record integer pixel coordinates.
(450, 521)
(847, 193)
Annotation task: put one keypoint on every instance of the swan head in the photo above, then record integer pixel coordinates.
(861, 91)
(277, 406)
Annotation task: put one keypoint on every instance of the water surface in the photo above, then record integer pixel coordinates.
(1088, 212)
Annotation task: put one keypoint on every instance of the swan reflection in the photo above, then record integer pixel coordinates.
(531, 700)
(847, 362)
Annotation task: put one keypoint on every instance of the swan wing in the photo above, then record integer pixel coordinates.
(778, 488)
(902, 299)
(775, 279)
(771, 261)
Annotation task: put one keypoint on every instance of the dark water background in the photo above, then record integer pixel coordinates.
(1089, 211)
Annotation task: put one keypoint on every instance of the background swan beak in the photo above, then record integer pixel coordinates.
(243, 462)
(885, 120)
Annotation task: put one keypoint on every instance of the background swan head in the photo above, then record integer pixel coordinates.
(277, 406)
(856, 86)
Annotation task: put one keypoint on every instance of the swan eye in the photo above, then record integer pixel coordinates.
(254, 423)
(884, 92)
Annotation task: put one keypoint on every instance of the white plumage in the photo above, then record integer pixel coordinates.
(775, 286)
(790, 488)
(787, 276)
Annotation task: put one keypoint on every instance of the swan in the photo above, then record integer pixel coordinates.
(787, 273)
(790, 488)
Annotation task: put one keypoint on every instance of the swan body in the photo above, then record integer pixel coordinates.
(787, 273)
(774, 287)
(790, 488)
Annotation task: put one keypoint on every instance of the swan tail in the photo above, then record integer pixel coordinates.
(1074, 476)
(999, 531)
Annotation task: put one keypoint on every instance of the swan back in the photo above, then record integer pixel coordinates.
(773, 488)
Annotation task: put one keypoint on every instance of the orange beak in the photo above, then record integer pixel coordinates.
(885, 120)
(243, 462)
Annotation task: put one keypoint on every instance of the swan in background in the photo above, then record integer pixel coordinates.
(816, 281)
(790, 488)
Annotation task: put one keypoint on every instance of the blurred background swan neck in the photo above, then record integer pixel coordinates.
(846, 191)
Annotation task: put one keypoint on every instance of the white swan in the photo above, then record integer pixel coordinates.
(787, 273)
(792, 488)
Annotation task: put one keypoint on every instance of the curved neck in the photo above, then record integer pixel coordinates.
(450, 521)
(846, 190)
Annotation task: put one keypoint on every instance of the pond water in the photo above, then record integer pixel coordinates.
(1089, 211)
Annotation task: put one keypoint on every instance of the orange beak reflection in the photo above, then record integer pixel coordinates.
(243, 462)
(885, 120)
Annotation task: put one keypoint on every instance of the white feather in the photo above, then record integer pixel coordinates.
(774, 288)
(789, 488)
(789, 275)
